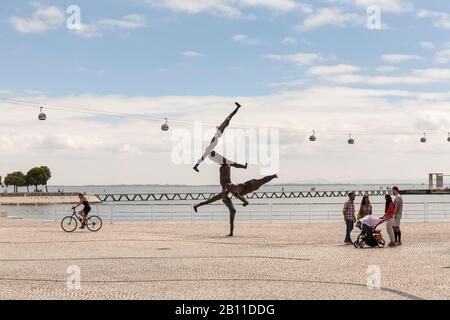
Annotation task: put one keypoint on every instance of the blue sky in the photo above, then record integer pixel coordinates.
(298, 64)
(148, 60)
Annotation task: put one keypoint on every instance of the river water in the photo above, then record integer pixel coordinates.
(417, 208)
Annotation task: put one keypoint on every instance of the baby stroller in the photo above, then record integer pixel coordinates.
(369, 235)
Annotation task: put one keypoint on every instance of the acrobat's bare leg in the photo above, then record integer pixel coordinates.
(242, 199)
(209, 149)
(256, 184)
(216, 198)
(221, 160)
(227, 201)
(215, 140)
(240, 166)
(207, 153)
(267, 179)
(226, 123)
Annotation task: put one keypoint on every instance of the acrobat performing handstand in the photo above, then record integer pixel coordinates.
(225, 177)
(239, 191)
(217, 136)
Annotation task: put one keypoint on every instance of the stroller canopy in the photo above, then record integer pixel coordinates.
(371, 221)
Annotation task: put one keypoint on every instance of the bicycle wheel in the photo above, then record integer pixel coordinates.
(69, 224)
(94, 223)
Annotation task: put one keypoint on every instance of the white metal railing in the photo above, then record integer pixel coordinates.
(272, 212)
(267, 212)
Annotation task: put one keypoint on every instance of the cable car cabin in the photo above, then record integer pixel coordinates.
(165, 126)
(42, 116)
(313, 138)
(351, 140)
(424, 139)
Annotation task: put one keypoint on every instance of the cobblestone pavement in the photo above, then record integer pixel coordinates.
(178, 261)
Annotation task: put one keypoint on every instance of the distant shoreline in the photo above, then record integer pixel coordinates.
(273, 184)
(42, 199)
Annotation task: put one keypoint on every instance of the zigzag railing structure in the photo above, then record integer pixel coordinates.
(257, 195)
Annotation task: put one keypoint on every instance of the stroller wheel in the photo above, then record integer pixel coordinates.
(358, 241)
(361, 244)
(381, 243)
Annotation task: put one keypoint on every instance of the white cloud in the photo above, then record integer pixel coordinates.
(88, 31)
(427, 45)
(332, 70)
(6, 92)
(433, 73)
(394, 6)
(97, 28)
(442, 18)
(378, 80)
(398, 58)
(192, 54)
(416, 77)
(244, 39)
(391, 6)
(226, 8)
(290, 83)
(330, 17)
(443, 56)
(71, 140)
(282, 5)
(49, 18)
(300, 59)
(288, 40)
(385, 69)
(42, 19)
(132, 21)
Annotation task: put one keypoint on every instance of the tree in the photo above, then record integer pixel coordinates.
(28, 182)
(15, 179)
(38, 176)
(35, 177)
(47, 174)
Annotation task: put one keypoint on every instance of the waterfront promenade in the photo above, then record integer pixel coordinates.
(197, 261)
(42, 198)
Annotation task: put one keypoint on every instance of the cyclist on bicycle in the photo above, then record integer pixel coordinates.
(86, 209)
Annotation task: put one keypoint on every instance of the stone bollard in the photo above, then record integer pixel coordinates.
(3, 214)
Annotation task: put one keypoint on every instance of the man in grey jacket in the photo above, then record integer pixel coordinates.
(398, 202)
